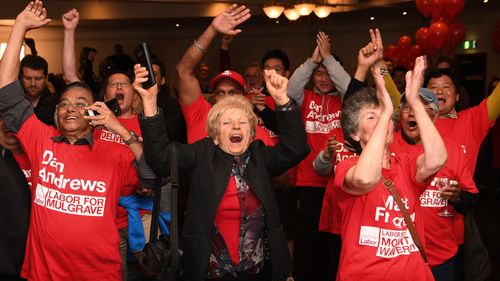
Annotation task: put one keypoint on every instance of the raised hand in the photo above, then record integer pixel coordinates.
(141, 76)
(316, 57)
(105, 118)
(70, 19)
(277, 86)
(415, 79)
(367, 55)
(258, 98)
(33, 16)
(227, 21)
(377, 40)
(324, 46)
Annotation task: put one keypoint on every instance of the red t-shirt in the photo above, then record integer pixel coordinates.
(321, 116)
(376, 244)
(468, 130)
(196, 115)
(330, 218)
(24, 163)
(442, 234)
(75, 189)
(131, 124)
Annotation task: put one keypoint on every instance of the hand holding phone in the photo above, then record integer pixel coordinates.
(144, 59)
(112, 104)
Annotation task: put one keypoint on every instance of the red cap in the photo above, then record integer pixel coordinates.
(228, 74)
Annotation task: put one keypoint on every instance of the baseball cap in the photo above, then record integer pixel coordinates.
(427, 95)
(228, 74)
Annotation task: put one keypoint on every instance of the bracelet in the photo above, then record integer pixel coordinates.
(384, 71)
(289, 106)
(197, 44)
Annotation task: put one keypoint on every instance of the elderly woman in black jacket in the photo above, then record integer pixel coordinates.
(232, 229)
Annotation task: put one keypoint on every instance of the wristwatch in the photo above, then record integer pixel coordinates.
(133, 138)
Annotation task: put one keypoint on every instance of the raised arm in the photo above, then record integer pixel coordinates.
(336, 71)
(224, 23)
(435, 155)
(493, 104)
(70, 21)
(33, 16)
(301, 77)
(365, 175)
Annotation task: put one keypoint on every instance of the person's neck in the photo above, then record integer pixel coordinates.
(408, 140)
(128, 114)
(73, 137)
(33, 99)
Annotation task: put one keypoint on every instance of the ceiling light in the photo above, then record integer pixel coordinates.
(485, 1)
(273, 11)
(372, 18)
(291, 14)
(405, 13)
(177, 25)
(322, 11)
(304, 9)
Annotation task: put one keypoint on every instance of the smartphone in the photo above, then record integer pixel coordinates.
(144, 59)
(112, 104)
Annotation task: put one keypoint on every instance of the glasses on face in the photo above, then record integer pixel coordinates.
(406, 109)
(119, 84)
(220, 92)
(278, 68)
(66, 105)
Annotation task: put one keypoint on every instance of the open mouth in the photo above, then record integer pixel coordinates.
(119, 97)
(412, 125)
(70, 118)
(441, 101)
(236, 138)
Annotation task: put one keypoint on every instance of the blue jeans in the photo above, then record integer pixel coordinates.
(446, 270)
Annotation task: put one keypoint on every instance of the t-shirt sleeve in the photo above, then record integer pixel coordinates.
(341, 172)
(479, 121)
(196, 115)
(32, 133)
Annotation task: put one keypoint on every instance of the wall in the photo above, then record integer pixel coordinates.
(349, 32)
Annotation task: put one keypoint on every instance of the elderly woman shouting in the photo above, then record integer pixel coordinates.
(232, 229)
(377, 244)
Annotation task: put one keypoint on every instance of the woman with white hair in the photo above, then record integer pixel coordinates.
(232, 229)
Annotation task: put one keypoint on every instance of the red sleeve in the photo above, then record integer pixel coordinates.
(196, 115)
(479, 121)
(341, 172)
(32, 133)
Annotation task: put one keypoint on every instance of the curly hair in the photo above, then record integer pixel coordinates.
(225, 104)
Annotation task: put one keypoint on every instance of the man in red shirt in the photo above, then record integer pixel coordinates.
(442, 235)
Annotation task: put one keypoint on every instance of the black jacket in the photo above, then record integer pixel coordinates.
(209, 169)
(14, 216)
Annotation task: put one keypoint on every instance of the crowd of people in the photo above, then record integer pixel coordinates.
(344, 180)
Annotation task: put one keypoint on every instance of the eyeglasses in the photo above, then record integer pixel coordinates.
(278, 68)
(407, 109)
(119, 84)
(66, 105)
(231, 92)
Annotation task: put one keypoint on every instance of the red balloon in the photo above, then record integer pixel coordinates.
(390, 52)
(456, 35)
(430, 50)
(415, 52)
(437, 7)
(443, 18)
(439, 34)
(404, 43)
(424, 7)
(422, 36)
(454, 8)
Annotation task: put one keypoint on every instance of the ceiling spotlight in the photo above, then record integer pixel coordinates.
(322, 11)
(177, 25)
(485, 1)
(372, 18)
(291, 14)
(405, 13)
(273, 11)
(304, 9)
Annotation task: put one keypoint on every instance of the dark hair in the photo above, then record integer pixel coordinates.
(158, 62)
(77, 85)
(57, 82)
(34, 62)
(442, 59)
(351, 107)
(400, 68)
(105, 81)
(440, 72)
(276, 54)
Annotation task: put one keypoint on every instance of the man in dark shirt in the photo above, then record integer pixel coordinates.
(15, 208)
(33, 76)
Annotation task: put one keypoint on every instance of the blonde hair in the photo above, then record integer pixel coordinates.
(229, 103)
